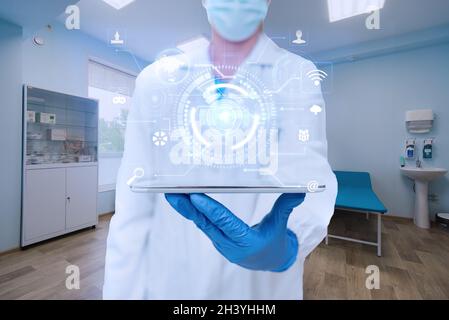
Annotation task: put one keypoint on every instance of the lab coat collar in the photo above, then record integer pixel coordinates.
(262, 53)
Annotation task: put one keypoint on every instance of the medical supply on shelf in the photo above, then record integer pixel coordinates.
(31, 116)
(74, 147)
(75, 136)
(84, 158)
(46, 118)
(34, 136)
(57, 134)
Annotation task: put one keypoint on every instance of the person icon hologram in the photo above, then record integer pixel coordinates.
(299, 39)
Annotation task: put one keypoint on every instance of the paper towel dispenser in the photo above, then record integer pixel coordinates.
(419, 121)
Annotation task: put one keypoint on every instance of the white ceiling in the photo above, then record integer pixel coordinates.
(148, 26)
(154, 25)
(32, 15)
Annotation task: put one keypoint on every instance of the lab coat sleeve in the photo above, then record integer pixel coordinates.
(130, 227)
(310, 220)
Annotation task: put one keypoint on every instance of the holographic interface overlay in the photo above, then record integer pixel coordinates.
(225, 122)
(226, 125)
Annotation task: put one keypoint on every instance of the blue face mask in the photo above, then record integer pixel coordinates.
(236, 20)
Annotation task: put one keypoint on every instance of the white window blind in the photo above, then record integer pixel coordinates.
(110, 79)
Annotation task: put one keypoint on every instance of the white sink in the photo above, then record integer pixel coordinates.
(422, 177)
(424, 174)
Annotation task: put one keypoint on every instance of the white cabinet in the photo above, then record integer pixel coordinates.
(60, 164)
(44, 208)
(81, 190)
(57, 201)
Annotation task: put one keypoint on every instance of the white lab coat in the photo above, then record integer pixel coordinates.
(155, 253)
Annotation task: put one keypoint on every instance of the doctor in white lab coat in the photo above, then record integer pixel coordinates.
(159, 249)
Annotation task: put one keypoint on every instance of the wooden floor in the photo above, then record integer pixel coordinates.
(39, 272)
(414, 264)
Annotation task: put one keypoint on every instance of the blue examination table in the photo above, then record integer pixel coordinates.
(355, 193)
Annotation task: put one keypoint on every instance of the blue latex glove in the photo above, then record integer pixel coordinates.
(267, 246)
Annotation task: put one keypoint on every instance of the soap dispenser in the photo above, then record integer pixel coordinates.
(427, 149)
(410, 149)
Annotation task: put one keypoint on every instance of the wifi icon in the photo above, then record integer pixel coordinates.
(317, 76)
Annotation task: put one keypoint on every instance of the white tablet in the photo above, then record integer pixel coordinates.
(228, 189)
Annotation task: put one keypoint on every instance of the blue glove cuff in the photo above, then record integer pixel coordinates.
(292, 249)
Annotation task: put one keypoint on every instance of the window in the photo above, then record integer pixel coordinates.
(113, 89)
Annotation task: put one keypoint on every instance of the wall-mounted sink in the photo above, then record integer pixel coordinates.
(424, 174)
(422, 177)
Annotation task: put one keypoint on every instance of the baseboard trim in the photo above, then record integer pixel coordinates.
(4, 253)
(105, 216)
(18, 249)
(387, 216)
(106, 188)
(101, 215)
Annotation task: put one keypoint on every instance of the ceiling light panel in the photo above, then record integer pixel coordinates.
(118, 4)
(343, 9)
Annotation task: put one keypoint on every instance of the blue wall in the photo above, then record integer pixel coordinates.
(10, 134)
(366, 114)
(61, 65)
